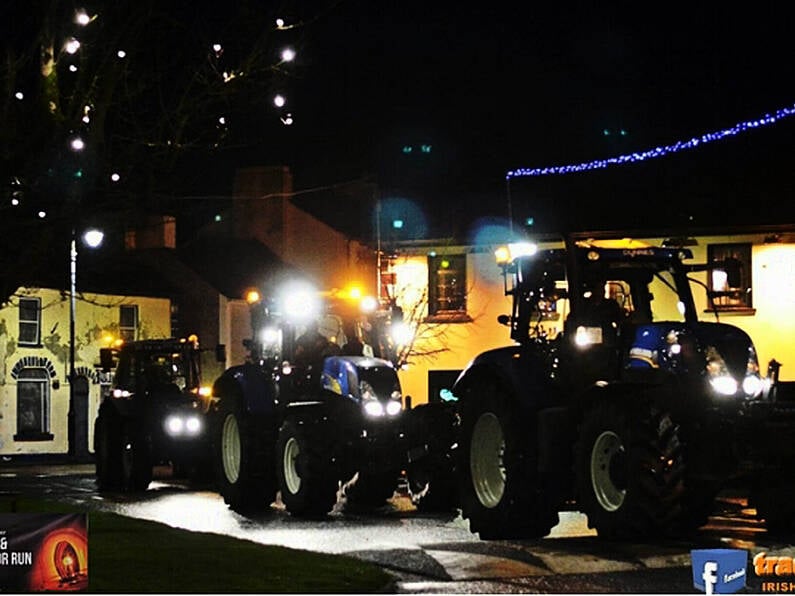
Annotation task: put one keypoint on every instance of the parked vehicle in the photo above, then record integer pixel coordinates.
(317, 408)
(154, 414)
(615, 400)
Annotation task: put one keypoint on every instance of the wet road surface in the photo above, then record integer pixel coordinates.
(426, 553)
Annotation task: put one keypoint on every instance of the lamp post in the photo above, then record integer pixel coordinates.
(91, 238)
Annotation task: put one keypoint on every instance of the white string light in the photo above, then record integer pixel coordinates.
(657, 151)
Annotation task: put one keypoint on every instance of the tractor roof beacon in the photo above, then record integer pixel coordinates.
(153, 414)
(617, 401)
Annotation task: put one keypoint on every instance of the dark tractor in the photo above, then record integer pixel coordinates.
(314, 411)
(154, 413)
(615, 400)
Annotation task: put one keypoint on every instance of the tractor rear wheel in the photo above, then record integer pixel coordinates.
(243, 461)
(497, 469)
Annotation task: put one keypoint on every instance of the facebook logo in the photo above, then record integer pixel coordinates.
(719, 570)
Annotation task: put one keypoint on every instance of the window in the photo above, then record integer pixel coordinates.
(29, 321)
(730, 278)
(128, 322)
(447, 287)
(33, 405)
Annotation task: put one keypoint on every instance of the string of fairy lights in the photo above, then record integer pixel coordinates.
(662, 151)
(71, 46)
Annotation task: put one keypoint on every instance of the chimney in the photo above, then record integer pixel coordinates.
(260, 196)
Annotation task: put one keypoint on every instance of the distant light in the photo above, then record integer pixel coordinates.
(72, 68)
(279, 101)
(77, 144)
(121, 54)
(425, 148)
(115, 177)
(221, 120)
(19, 95)
(445, 264)
(217, 217)
(407, 149)
(93, 237)
(288, 54)
(279, 23)
(217, 48)
(397, 224)
(72, 45)
(82, 18)
(432, 253)
(530, 221)
(42, 214)
(14, 201)
(86, 118)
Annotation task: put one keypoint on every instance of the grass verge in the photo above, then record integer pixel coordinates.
(128, 555)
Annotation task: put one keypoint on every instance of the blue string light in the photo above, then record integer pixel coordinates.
(657, 151)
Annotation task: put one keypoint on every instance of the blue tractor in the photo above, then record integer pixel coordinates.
(315, 411)
(615, 400)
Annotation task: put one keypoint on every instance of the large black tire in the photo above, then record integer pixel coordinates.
(630, 468)
(108, 450)
(136, 459)
(243, 458)
(371, 489)
(772, 497)
(307, 478)
(498, 470)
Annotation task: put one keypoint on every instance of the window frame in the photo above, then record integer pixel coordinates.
(731, 300)
(458, 263)
(37, 322)
(42, 380)
(126, 332)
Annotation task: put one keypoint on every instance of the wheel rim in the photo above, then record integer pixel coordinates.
(607, 467)
(292, 479)
(230, 449)
(486, 460)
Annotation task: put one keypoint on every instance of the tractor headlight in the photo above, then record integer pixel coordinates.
(753, 384)
(718, 373)
(177, 425)
(374, 407)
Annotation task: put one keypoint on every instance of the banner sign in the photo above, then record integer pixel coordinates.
(43, 552)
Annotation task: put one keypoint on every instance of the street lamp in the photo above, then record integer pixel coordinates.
(91, 238)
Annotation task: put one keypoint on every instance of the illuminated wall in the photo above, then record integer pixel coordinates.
(96, 326)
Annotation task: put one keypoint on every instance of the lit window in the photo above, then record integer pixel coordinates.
(29, 321)
(128, 322)
(447, 285)
(33, 405)
(730, 277)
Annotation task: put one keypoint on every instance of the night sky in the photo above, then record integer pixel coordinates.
(503, 85)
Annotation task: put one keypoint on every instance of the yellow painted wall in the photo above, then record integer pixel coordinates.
(96, 324)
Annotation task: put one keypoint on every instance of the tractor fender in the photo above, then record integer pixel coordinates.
(513, 368)
(249, 384)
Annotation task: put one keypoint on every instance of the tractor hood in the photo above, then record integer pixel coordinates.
(715, 348)
(722, 355)
(361, 378)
